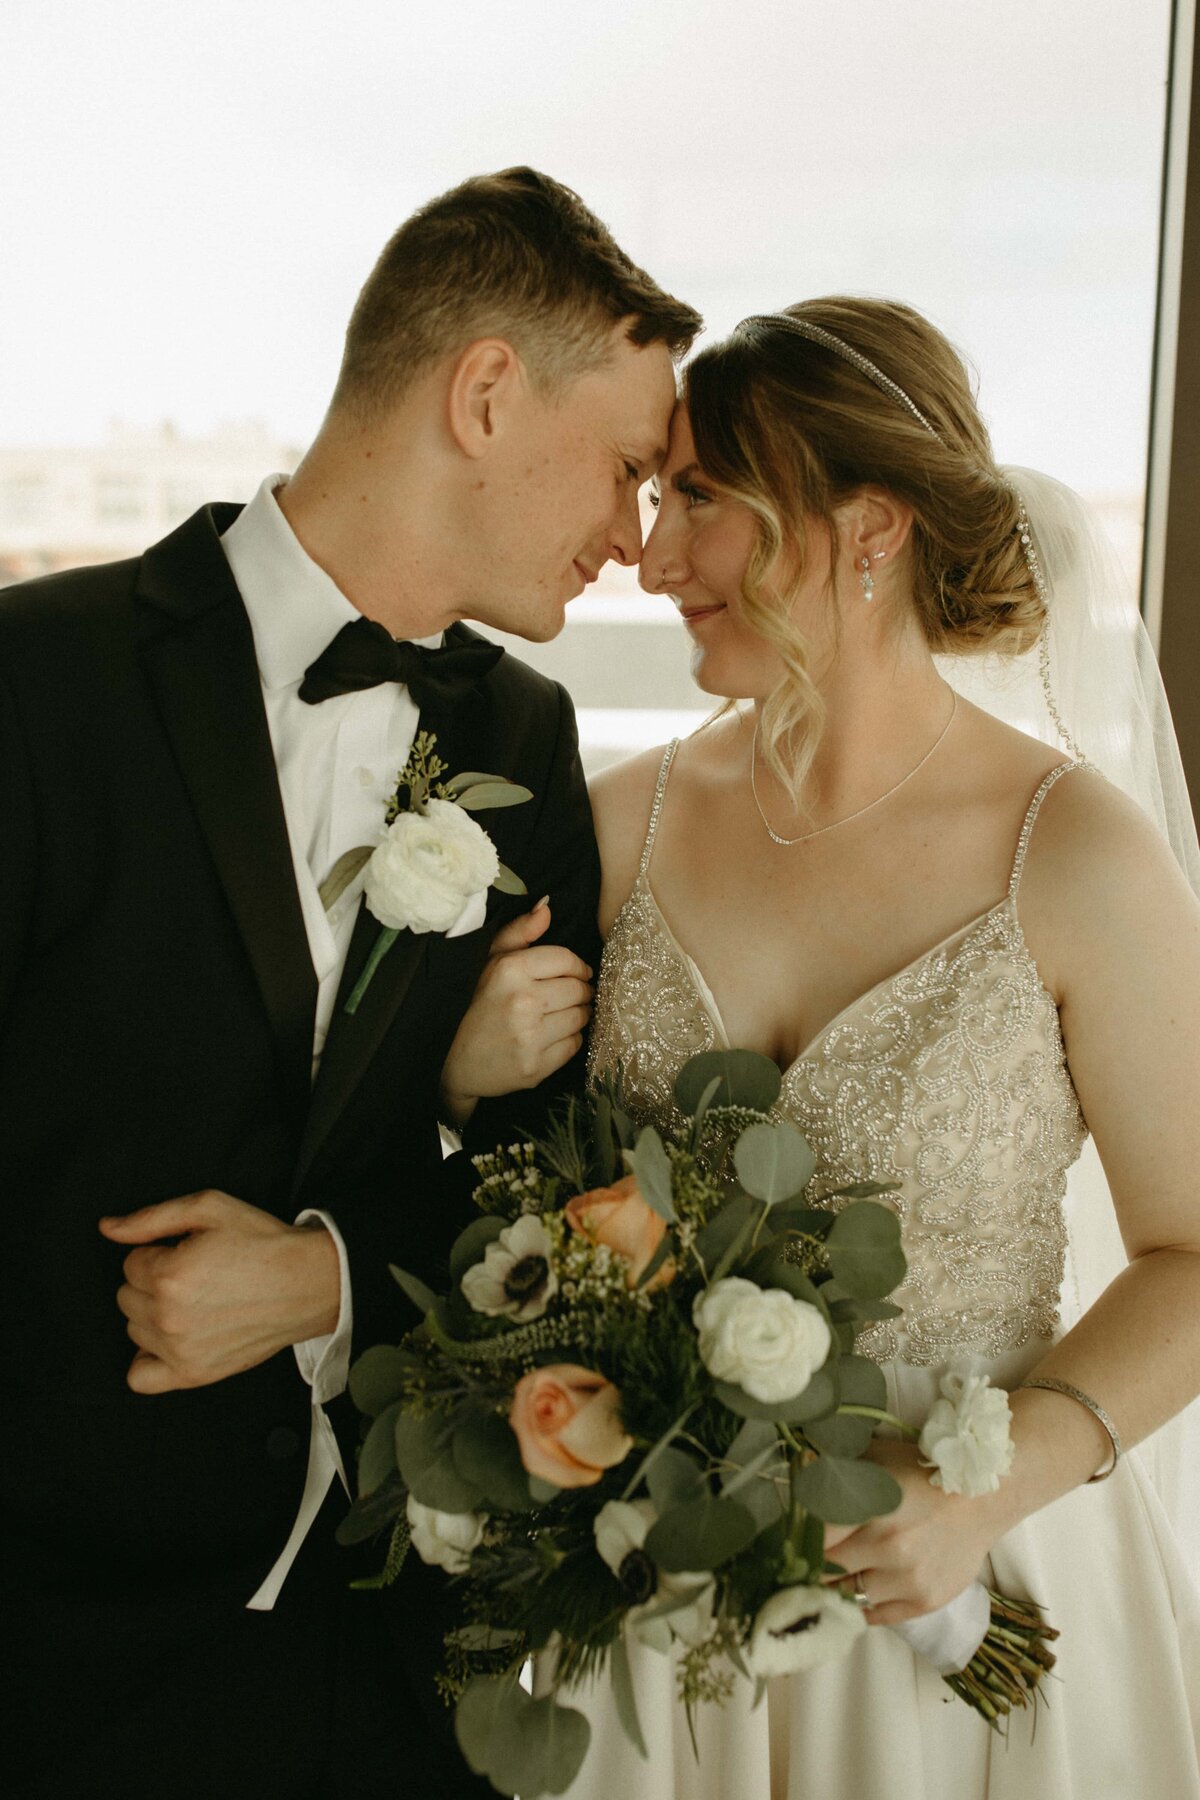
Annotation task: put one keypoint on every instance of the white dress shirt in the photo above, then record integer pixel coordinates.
(337, 764)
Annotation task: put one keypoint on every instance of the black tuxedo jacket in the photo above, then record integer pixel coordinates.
(156, 1017)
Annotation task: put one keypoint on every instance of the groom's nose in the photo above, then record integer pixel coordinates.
(625, 542)
(652, 572)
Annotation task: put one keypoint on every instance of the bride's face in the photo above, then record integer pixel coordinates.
(697, 553)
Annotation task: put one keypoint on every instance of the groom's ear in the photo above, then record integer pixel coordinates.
(486, 383)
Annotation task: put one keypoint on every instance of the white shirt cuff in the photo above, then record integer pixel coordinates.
(324, 1362)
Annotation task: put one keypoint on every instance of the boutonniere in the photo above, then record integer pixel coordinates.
(435, 862)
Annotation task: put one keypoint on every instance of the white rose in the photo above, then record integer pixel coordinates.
(799, 1627)
(966, 1438)
(515, 1279)
(621, 1528)
(764, 1339)
(444, 1538)
(428, 867)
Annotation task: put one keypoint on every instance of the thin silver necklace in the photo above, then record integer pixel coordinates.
(871, 804)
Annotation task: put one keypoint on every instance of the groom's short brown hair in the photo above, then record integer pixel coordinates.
(513, 255)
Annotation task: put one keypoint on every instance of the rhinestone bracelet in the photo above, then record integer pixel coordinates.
(1054, 1386)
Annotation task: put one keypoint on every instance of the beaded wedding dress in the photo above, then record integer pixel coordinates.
(948, 1078)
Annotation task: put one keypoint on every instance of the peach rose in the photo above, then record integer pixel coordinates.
(619, 1217)
(567, 1425)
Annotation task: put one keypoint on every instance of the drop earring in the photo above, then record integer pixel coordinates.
(867, 579)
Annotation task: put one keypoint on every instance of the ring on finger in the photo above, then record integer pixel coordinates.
(861, 1597)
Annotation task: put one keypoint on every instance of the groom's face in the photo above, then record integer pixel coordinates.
(559, 498)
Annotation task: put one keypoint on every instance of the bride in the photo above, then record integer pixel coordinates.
(967, 950)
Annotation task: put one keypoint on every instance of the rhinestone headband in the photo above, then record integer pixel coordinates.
(817, 334)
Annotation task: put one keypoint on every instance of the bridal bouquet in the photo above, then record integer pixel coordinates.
(634, 1414)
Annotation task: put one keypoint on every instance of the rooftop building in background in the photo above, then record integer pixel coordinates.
(61, 506)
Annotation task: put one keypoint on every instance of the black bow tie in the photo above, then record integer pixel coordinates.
(364, 654)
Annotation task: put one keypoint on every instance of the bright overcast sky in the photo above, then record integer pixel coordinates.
(191, 193)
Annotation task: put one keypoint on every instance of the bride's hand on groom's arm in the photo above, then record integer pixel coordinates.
(235, 1287)
(526, 1019)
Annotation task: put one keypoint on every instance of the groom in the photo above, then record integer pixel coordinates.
(177, 1064)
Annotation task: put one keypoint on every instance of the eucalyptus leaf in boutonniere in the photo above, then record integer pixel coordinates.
(435, 863)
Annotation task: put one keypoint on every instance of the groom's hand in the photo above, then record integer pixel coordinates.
(230, 1287)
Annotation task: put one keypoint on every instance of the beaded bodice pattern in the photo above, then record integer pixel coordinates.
(948, 1078)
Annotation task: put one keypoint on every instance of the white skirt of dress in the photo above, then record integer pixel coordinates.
(1119, 1718)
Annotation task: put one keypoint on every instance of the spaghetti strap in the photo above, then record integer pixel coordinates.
(1035, 806)
(656, 810)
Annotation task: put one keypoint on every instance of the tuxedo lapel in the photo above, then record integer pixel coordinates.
(354, 1038)
(199, 657)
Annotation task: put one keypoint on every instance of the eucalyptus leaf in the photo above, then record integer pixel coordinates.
(702, 1106)
(773, 1162)
(812, 1541)
(506, 882)
(487, 1456)
(793, 1215)
(755, 1436)
(843, 1491)
(841, 1434)
(641, 1473)
(342, 874)
(759, 1478)
(481, 796)
(819, 1397)
(674, 1476)
(425, 1456)
(845, 1310)
(862, 1382)
(470, 1245)
(458, 784)
(522, 1746)
(746, 1079)
(489, 1723)
(624, 1126)
(715, 1244)
(421, 1296)
(771, 1269)
(864, 1251)
(862, 1190)
(652, 1167)
(542, 1492)
(700, 1534)
(377, 1458)
(371, 1512)
(378, 1377)
(623, 1694)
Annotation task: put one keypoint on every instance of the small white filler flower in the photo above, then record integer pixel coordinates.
(966, 1438)
(764, 1339)
(515, 1279)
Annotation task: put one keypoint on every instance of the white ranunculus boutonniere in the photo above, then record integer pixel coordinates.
(435, 863)
(966, 1437)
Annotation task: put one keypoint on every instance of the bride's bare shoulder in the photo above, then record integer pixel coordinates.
(1100, 880)
(622, 796)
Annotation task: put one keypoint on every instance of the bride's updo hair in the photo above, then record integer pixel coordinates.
(791, 427)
